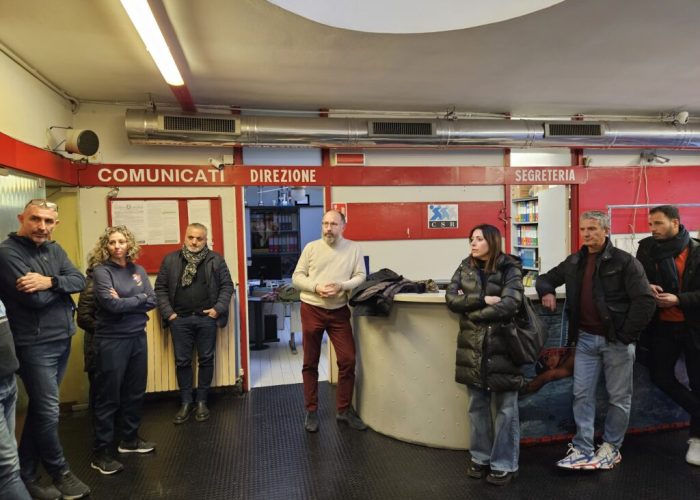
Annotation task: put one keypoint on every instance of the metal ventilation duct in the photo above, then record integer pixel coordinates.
(161, 128)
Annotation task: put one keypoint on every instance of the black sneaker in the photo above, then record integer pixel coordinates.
(104, 463)
(311, 421)
(501, 477)
(183, 413)
(202, 413)
(138, 445)
(70, 486)
(350, 417)
(39, 492)
(477, 471)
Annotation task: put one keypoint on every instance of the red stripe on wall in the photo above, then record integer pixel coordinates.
(409, 221)
(30, 159)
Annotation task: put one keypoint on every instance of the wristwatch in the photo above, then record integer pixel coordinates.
(54, 282)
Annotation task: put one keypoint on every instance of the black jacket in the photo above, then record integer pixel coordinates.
(45, 316)
(126, 315)
(375, 296)
(86, 320)
(482, 353)
(620, 290)
(219, 284)
(689, 295)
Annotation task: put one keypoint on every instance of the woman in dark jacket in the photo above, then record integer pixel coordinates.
(85, 317)
(123, 296)
(486, 290)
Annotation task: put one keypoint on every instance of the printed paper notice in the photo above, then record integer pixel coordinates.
(153, 222)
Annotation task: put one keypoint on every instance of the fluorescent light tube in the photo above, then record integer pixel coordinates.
(145, 23)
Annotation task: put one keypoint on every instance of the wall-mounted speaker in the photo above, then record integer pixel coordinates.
(84, 142)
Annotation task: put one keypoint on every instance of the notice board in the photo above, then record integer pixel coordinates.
(159, 224)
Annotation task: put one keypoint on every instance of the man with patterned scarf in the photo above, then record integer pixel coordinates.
(194, 290)
(671, 259)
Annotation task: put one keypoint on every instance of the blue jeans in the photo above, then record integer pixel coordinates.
(11, 485)
(496, 444)
(189, 332)
(42, 367)
(593, 354)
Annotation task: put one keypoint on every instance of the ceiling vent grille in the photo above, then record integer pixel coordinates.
(573, 129)
(199, 124)
(402, 128)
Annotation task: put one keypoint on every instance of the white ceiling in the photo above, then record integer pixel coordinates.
(611, 57)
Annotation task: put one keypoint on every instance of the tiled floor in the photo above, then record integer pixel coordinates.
(277, 365)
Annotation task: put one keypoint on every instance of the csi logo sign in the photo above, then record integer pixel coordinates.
(443, 216)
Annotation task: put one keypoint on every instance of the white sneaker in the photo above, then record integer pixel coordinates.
(576, 459)
(693, 455)
(606, 457)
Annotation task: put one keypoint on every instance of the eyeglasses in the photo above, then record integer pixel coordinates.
(40, 202)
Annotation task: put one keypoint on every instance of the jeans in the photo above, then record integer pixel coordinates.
(593, 353)
(494, 443)
(669, 341)
(120, 382)
(189, 332)
(11, 485)
(314, 321)
(41, 367)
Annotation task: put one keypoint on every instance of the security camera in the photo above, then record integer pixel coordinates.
(216, 163)
(681, 118)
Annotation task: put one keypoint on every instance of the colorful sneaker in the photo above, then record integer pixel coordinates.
(693, 455)
(576, 459)
(606, 457)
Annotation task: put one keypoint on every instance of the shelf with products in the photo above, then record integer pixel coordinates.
(539, 227)
(274, 234)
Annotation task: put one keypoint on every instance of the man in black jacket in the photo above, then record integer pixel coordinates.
(36, 280)
(608, 303)
(194, 290)
(671, 258)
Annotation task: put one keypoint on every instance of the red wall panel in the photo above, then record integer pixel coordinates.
(409, 221)
(628, 186)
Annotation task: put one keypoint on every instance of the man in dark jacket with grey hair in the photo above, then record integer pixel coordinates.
(194, 289)
(609, 303)
(35, 285)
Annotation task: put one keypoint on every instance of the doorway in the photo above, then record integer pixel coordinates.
(280, 221)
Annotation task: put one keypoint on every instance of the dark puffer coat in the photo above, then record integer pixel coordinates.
(482, 355)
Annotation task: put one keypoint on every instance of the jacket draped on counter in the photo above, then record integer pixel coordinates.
(482, 351)
(375, 296)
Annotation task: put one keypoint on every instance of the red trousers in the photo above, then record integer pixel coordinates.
(314, 321)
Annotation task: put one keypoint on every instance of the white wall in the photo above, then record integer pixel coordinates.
(28, 107)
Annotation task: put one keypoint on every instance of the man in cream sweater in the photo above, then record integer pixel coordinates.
(327, 271)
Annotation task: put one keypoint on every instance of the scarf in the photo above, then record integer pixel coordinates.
(193, 260)
(664, 252)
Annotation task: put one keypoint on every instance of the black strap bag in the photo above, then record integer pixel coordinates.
(527, 335)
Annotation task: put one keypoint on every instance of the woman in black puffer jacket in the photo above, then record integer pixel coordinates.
(486, 290)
